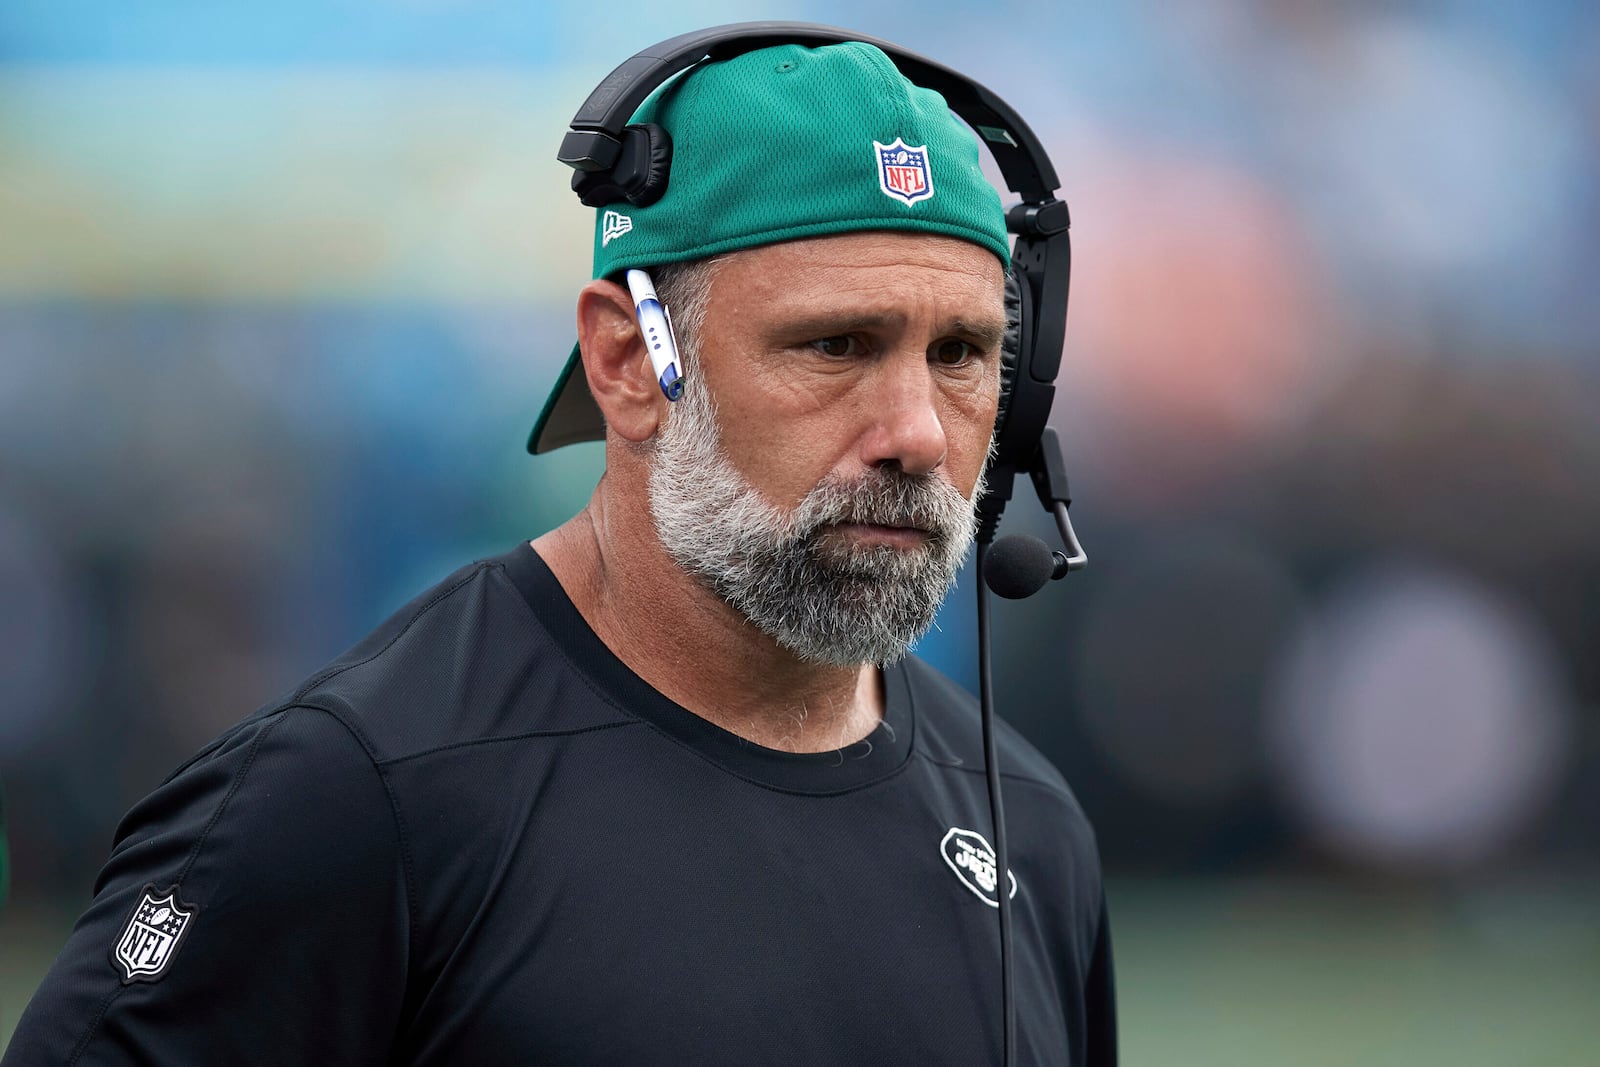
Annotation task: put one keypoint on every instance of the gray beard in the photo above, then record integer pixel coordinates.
(830, 603)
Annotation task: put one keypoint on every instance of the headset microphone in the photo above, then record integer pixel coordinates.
(1018, 566)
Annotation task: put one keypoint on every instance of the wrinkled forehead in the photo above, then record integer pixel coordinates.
(876, 272)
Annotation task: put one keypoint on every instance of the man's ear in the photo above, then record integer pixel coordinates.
(616, 362)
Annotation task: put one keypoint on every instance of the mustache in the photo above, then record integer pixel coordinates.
(886, 497)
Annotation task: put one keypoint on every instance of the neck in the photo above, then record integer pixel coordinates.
(694, 649)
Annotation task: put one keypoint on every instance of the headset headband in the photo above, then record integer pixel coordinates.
(597, 128)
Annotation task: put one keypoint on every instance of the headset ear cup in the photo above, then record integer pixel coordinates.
(1010, 346)
(656, 162)
(639, 175)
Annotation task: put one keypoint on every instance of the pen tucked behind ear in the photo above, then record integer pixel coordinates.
(656, 326)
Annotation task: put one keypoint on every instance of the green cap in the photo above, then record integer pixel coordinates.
(779, 144)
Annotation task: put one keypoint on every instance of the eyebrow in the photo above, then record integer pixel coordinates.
(985, 332)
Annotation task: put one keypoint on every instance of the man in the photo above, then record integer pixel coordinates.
(659, 786)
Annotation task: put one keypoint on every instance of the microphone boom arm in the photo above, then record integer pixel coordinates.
(1049, 473)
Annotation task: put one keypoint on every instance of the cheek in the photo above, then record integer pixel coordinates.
(784, 441)
(969, 425)
(785, 436)
(969, 406)
(969, 447)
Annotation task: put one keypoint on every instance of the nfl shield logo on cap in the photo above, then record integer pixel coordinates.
(903, 171)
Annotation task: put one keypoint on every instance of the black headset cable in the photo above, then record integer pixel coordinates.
(991, 773)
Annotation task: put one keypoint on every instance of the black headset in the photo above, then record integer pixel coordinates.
(615, 161)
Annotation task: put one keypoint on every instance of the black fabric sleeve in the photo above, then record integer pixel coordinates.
(282, 840)
(1100, 998)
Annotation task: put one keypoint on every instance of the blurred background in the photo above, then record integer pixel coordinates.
(283, 285)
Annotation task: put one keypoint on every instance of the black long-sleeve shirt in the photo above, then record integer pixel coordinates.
(478, 838)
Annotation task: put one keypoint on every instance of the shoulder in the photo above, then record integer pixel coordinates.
(1040, 805)
(950, 732)
(278, 851)
(470, 659)
(286, 782)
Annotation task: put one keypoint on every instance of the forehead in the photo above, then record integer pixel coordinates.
(873, 269)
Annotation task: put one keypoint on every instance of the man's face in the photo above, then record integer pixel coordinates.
(818, 473)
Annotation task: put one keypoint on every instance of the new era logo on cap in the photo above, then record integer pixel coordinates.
(903, 171)
(614, 224)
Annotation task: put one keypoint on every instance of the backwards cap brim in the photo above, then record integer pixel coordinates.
(570, 415)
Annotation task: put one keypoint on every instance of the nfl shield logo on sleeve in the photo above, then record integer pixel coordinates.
(903, 171)
(152, 935)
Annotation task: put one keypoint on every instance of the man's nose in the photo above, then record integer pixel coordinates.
(905, 429)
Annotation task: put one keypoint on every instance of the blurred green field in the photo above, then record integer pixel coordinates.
(1266, 972)
(1304, 974)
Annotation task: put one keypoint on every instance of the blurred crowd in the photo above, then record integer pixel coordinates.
(272, 334)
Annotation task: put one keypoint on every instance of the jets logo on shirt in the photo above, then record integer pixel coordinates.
(152, 935)
(903, 171)
(969, 855)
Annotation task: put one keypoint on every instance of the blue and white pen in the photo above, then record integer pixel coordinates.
(656, 326)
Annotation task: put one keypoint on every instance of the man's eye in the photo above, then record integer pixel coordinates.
(953, 353)
(842, 345)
